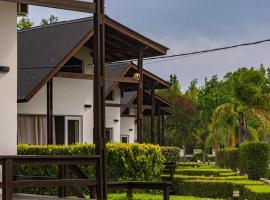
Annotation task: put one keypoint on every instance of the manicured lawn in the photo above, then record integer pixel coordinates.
(152, 197)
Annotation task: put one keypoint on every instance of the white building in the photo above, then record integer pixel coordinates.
(61, 53)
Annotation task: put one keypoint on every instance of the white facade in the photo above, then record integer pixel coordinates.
(8, 81)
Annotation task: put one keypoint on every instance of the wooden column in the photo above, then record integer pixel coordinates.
(162, 129)
(140, 99)
(99, 98)
(158, 125)
(50, 112)
(153, 112)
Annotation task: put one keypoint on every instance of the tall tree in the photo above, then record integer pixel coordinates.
(52, 19)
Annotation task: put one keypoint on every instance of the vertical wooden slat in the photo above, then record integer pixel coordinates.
(50, 112)
(158, 126)
(99, 97)
(163, 129)
(140, 99)
(7, 179)
(153, 112)
(61, 175)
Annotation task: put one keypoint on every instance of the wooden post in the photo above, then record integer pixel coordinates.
(99, 98)
(62, 175)
(153, 112)
(50, 112)
(140, 99)
(7, 179)
(163, 129)
(158, 126)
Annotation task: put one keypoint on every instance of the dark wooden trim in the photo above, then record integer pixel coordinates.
(59, 65)
(140, 98)
(50, 112)
(74, 5)
(155, 78)
(162, 129)
(162, 50)
(99, 98)
(74, 75)
(159, 126)
(153, 112)
(4, 69)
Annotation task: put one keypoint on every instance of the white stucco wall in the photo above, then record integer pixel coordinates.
(8, 81)
(128, 128)
(113, 113)
(70, 96)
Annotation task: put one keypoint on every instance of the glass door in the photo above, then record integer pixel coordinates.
(73, 130)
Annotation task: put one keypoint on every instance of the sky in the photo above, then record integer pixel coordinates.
(191, 25)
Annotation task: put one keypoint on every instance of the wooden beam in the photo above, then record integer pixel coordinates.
(153, 112)
(50, 112)
(74, 75)
(140, 99)
(91, 77)
(73, 5)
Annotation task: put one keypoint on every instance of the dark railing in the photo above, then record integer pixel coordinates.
(13, 181)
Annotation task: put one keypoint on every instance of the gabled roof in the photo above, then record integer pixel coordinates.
(42, 51)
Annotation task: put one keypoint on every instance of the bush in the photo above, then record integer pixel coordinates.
(228, 158)
(254, 159)
(232, 158)
(256, 192)
(124, 162)
(201, 171)
(220, 158)
(171, 154)
(211, 188)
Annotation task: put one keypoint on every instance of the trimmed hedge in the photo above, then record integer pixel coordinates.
(124, 161)
(211, 188)
(228, 158)
(201, 171)
(171, 154)
(183, 177)
(256, 192)
(254, 157)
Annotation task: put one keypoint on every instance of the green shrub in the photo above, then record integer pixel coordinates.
(254, 158)
(220, 158)
(184, 177)
(228, 158)
(211, 188)
(232, 158)
(256, 192)
(201, 171)
(124, 162)
(171, 154)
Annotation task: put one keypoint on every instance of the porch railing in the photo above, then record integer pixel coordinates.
(12, 181)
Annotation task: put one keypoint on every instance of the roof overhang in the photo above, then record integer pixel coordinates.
(74, 5)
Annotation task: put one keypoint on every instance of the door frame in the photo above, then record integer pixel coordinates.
(77, 118)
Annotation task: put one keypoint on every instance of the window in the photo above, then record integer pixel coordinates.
(124, 138)
(110, 96)
(109, 134)
(72, 130)
(74, 65)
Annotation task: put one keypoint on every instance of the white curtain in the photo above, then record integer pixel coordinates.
(32, 129)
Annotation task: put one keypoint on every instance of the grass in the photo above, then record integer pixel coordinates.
(184, 177)
(259, 188)
(153, 197)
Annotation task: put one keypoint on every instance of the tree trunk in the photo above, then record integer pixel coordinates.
(243, 130)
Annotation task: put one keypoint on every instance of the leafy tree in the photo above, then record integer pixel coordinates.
(52, 19)
(246, 109)
(24, 23)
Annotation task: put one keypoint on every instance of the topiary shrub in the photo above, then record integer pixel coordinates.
(220, 158)
(232, 158)
(256, 192)
(254, 159)
(171, 154)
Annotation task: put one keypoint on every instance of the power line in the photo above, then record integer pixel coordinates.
(170, 57)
